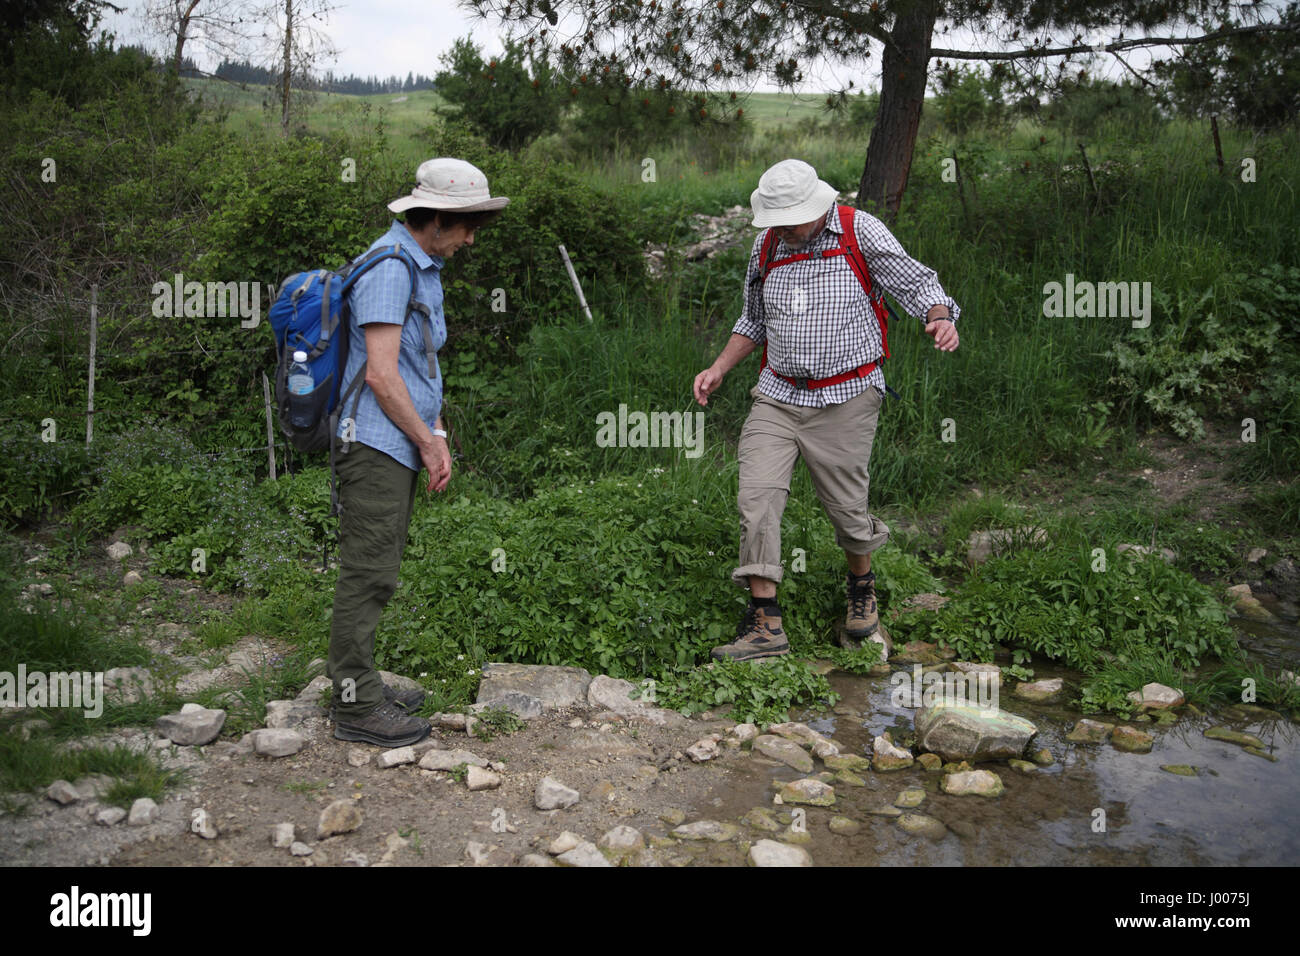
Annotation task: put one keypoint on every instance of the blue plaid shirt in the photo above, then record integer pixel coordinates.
(381, 296)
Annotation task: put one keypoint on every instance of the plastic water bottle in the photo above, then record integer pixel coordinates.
(300, 380)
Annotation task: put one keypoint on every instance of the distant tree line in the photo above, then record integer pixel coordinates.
(242, 71)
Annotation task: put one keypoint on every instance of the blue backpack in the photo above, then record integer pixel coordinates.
(310, 313)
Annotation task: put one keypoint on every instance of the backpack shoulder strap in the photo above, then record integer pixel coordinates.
(858, 263)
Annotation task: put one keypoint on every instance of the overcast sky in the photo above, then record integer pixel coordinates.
(395, 37)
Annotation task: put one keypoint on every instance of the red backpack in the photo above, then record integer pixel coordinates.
(857, 262)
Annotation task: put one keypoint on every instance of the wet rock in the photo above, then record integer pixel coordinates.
(1155, 696)
(760, 818)
(886, 812)
(1090, 732)
(341, 816)
(110, 816)
(1246, 604)
(1227, 735)
(910, 799)
(395, 757)
(710, 830)
(767, 853)
(918, 824)
(478, 778)
(917, 652)
(979, 783)
(849, 779)
(966, 732)
(275, 742)
(706, 748)
(850, 762)
(62, 792)
(783, 751)
(1043, 757)
(450, 759)
(800, 836)
(963, 829)
(283, 835)
(622, 839)
(930, 761)
(799, 733)
(1039, 690)
(192, 729)
(885, 756)
(1257, 752)
(553, 795)
(1024, 766)
(1131, 740)
(844, 826)
(993, 673)
(555, 687)
(810, 791)
(143, 812)
(981, 545)
(1182, 769)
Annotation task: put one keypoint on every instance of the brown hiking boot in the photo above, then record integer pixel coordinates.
(863, 619)
(759, 635)
(385, 726)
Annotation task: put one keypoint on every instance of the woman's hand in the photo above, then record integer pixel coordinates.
(437, 461)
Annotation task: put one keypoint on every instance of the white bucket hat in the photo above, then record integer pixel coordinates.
(790, 194)
(450, 184)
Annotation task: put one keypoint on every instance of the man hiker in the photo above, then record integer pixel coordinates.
(820, 387)
(397, 427)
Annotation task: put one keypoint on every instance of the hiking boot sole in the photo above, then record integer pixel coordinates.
(751, 655)
(344, 732)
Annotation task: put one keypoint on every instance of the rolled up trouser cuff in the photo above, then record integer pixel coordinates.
(856, 536)
(772, 572)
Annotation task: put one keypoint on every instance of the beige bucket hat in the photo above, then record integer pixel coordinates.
(790, 194)
(450, 184)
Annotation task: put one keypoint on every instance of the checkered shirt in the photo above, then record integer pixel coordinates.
(815, 318)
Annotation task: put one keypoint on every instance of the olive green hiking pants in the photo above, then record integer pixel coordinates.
(376, 495)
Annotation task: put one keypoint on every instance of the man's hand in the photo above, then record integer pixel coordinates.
(437, 461)
(944, 334)
(706, 382)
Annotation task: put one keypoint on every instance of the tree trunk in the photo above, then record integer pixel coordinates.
(902, 93)
(182, 33)
(288, 66)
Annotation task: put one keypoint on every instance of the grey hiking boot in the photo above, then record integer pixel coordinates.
(385, 726)
(409, 700)
(759, 635)
(863, 619)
